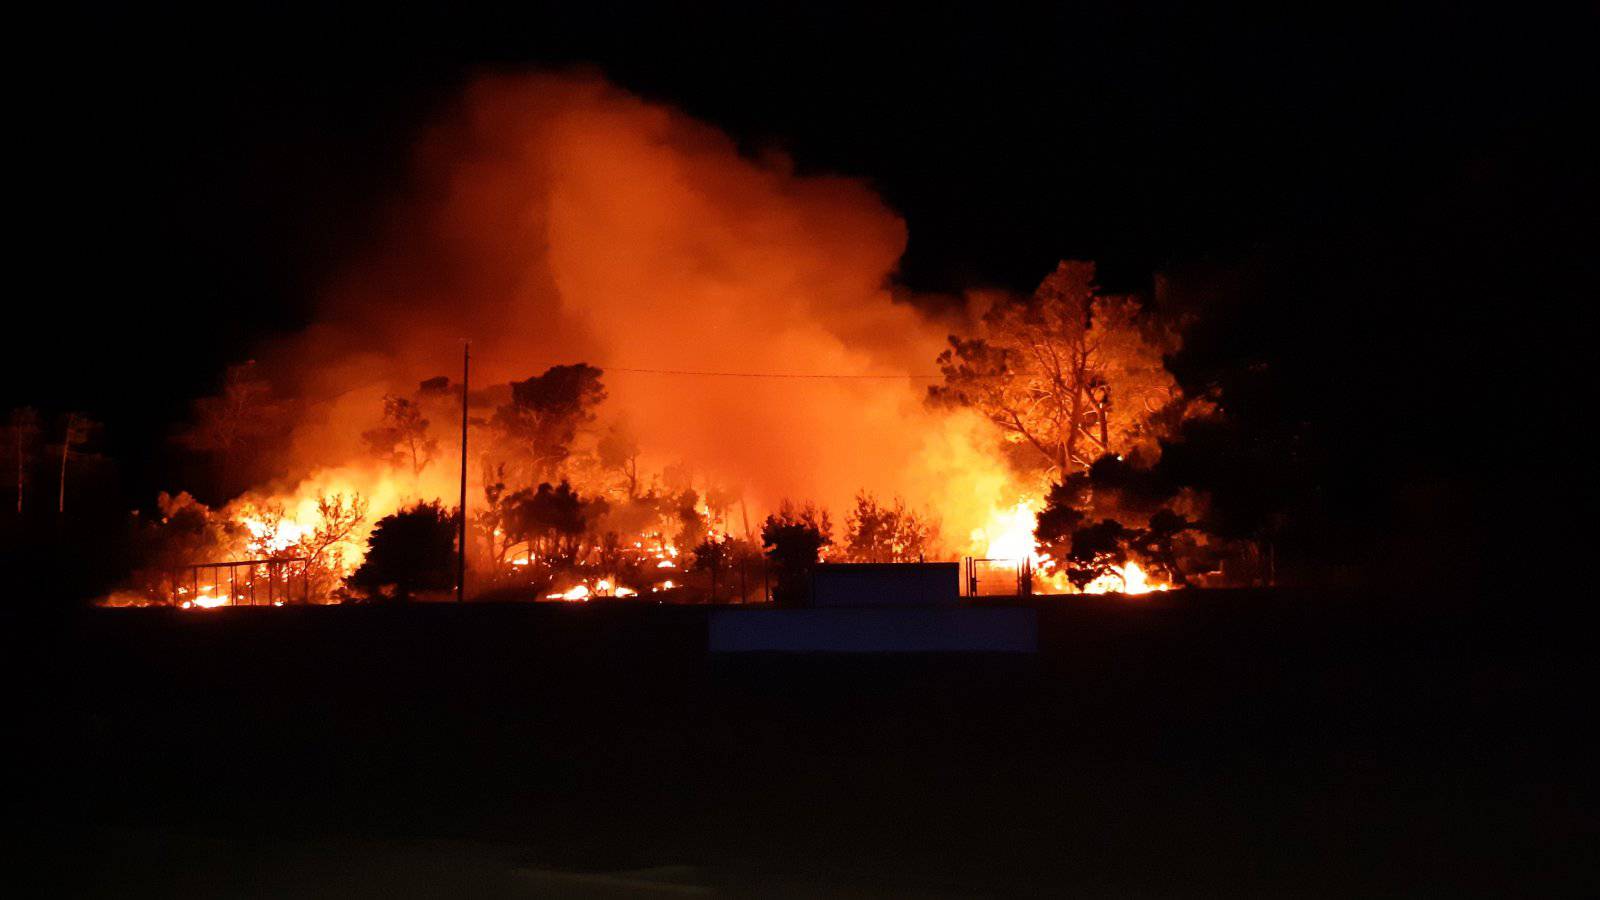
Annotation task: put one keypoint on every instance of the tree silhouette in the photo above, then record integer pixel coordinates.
(76, 429)
(231, 423)
(1091, 521)
(693, 525)
(491, 515)
(402, 437)
(409, 551)
(553, 520)
(1058, 520)
(1097, 550)
(618, 450)
(713, 555)
(793, 539)
(186, 532)
(546, 411)
(1157, 544)
(21, 440)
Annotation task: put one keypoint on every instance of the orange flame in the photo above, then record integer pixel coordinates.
(1009, 534)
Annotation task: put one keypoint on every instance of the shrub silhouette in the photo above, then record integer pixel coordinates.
(409, 551)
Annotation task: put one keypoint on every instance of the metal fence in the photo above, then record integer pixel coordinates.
(252, 582)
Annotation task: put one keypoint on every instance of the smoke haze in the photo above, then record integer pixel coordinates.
(556, 219)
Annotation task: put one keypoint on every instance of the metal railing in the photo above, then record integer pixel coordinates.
(250, 582)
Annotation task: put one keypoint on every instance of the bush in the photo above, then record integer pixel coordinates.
(412, 550)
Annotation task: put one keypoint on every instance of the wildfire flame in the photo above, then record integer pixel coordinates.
(203, 599)
(1129, 579)
(272, 539)
(777, 266)
(1009, 534)
(604, 587)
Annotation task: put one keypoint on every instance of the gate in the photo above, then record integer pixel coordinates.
(998, 577)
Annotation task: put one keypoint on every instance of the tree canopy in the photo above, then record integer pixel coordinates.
(1069, 375)
(401, 438)
(232, 425)
(553, 520)
(539, 425)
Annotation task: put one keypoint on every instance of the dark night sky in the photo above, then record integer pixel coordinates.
(1382, 179)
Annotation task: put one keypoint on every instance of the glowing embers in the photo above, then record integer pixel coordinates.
(579, 593)
(582, 593)
(204, 599)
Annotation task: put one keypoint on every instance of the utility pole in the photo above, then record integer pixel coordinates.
(461, 534)
(18, 427)
(72, 434)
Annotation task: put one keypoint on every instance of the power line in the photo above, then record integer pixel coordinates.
(693, 373)
(796, 375)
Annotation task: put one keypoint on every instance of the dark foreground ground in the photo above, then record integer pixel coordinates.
(1229, 744)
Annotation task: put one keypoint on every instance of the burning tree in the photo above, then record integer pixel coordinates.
(338, 519)
(1115, 524)
(321, 534)
(537, 537)
(1069, 376)
(876, 533)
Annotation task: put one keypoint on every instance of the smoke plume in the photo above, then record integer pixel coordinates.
(557, 219)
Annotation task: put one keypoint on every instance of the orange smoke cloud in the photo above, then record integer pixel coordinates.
(557, 219)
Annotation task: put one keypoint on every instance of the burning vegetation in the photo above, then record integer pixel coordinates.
(687, 363)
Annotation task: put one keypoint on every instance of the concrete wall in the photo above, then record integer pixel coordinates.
(886, 584)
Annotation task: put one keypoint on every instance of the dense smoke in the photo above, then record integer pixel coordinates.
(557, 219)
